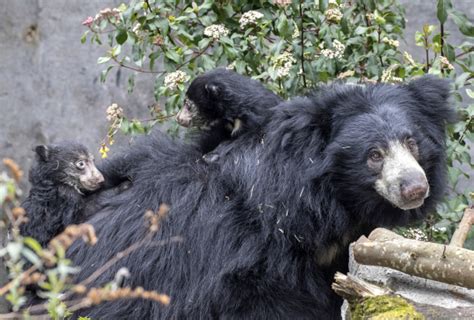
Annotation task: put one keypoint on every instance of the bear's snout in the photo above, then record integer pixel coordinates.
(414, 188)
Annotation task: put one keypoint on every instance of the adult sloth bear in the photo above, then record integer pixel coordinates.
(266, 226)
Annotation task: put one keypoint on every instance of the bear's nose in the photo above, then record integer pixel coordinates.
(99, 179)
(414, 188)
(184, 117)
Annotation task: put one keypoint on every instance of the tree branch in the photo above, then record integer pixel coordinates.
(460, 235)
(428, 260)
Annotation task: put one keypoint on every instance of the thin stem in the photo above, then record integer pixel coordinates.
(427, 54)
(441, 28)
(302, 44)
(461, 137)
(148, 6)
(123, 65)
(464, 53)
(379, 41)
(159, 118)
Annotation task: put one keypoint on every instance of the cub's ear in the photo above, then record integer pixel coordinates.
(213, 90)
(42, 152)
(433, 94)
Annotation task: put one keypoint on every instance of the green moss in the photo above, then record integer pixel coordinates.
(384, 307)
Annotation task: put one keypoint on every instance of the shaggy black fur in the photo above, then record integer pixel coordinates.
(225, 104)
(57, 196)
(265, 228)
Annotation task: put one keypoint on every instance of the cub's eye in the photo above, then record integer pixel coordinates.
(80, 164)
(375, 156)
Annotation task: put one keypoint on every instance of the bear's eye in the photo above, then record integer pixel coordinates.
(411, 144)
(80, 164)
(375, 156)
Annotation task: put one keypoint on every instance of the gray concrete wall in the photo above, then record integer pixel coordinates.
(49, 81)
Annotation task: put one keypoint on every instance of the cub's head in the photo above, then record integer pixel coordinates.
(385, 147)
(206, 98)
(68, 163)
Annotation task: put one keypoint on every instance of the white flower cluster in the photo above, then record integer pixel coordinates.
(387, 75)
(336, 53)
(282, 3)
(114, 112)
(283, 64)
(173, 79)
(408, 58)
(106, 13)
(445, 63)
(136, 27)
(249, 17)
(333, 15)
(370, 17)
(391, 42)
(296, 33)
(346, 74)
(216, 31)
(231, 66)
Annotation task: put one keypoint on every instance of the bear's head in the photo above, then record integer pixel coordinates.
(68, 163)
(385, 146)
(206, 98)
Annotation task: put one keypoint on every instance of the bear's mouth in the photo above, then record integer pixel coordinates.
(414, 203)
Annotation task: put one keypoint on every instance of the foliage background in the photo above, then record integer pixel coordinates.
(290, 46)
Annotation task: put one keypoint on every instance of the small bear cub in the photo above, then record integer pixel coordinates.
(60, 178)
(223, 105)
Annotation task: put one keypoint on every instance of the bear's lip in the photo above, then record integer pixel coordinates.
(412, 204)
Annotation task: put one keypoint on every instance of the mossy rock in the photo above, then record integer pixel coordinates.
(384, 308)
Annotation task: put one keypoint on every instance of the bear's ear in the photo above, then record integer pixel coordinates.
(433, 94)
(213, 90)
(42, 152)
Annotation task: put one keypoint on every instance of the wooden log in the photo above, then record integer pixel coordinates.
(445, 263)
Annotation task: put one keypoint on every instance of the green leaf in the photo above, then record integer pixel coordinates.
(442, 10)
(84, 37)
(31, 257)
(360, 30)
(121, 36)
(470, 93)
(282, 26)
(173, 56)
(104, 73)
(33, 244)
(102, 60)
(14, 250)
(463, 23)
(131, 83)
(203, 43)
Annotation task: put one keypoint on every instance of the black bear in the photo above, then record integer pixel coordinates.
(266, 226)
(224, 104)
(60, 179)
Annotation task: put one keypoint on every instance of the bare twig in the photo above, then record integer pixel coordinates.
(350, 287)
(126, 252)
(463, 229)
(22, 276)
(123, 65)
